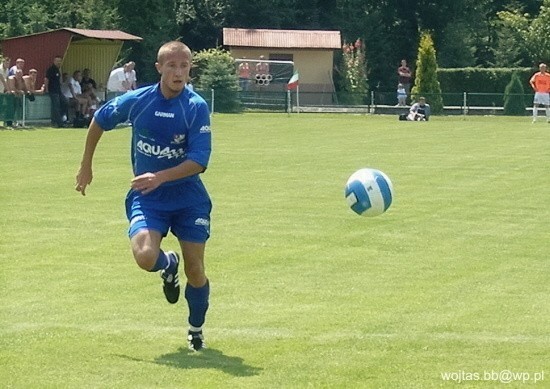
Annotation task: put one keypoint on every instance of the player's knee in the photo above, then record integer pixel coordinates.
(195, 275)
(145, 257)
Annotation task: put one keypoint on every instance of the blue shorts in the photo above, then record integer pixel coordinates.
(190, 222)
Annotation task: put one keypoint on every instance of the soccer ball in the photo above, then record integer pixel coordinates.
(369, 192)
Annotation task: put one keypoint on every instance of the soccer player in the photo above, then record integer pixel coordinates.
(171, 145)
(540, 82)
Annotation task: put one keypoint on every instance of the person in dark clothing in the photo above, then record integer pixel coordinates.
(53, 88)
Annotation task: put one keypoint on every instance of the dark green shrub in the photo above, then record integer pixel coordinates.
(514, 101)
(215, 69)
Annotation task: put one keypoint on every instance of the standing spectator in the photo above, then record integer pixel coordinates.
(262, 68)
(4, 70)
(244, 75)
(540, 82)
(19, 64)
(130, 74)
(262, 72)
(16, 85)
(4, 100)
(52, 85)
(401, 95)
(405, 76)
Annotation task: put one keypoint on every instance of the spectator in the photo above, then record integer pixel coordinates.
(87, 80)
(16, 85)
(130, 73)
(405, 76)
(73, 93)
(540, 82)
(244, 75)
(4, 69)
(262, 67)
(118, 79)
(401, 95)
(89, 90)
(30, 82)
(420, 111)
(19, 64)
(52, 85)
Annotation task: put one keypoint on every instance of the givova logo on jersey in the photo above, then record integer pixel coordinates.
(158, 151)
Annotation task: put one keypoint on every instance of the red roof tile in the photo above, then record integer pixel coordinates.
(288, 39)
(104, 34)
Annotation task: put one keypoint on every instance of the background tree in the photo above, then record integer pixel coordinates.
(466, 32)
(533, 31)
(426, 83)
(20, 17)
(155, 22)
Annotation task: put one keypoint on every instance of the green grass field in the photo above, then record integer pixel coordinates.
(452, 281)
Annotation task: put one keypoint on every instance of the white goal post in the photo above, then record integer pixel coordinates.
(264, 82)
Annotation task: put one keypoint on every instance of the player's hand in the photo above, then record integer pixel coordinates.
(146, 182)
(83, 179)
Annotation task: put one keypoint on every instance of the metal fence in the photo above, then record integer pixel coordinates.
(13, 108)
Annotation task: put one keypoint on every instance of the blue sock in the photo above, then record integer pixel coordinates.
(164, 262)
(197, 300)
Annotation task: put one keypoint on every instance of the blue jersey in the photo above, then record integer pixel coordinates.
(165, 133)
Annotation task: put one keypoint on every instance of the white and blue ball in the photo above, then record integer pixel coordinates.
(369, 192)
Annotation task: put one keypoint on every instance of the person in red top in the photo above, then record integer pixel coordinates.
(244, 75)
(540, 82)
(405, 76)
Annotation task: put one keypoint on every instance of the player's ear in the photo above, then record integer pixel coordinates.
(157, 65)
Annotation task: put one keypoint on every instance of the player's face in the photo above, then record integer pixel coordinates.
(174, 72)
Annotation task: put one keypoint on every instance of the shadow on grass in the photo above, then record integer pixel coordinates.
(205, 359)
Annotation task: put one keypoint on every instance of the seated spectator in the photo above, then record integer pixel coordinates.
(19, 64)
(419, 111)
(89, 89)
(84, 101)
(71, 93)
(87, 80)
(30, 82)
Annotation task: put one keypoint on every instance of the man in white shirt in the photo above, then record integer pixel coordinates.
(122, 79)
(130, 73)
(72, 90)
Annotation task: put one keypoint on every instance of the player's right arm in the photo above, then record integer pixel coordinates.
(532, 81)
(85, 175)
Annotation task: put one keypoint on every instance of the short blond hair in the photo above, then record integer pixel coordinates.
(170, 47)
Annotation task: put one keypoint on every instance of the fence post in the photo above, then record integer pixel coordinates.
(24, 107)
(465, 104)
(371, 101)
(212, 111)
